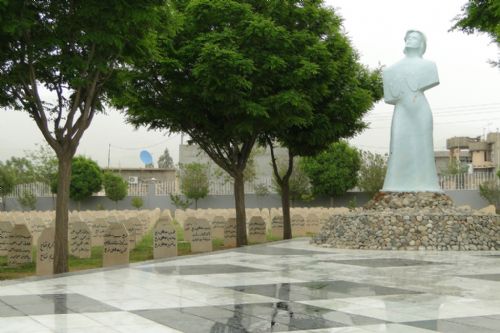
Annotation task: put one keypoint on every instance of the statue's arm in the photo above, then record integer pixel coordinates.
(429, 77)
(391, 91)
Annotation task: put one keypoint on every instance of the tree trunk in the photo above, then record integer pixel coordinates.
(285, 206)
(4, 199)
(62, 204)
(239, 198)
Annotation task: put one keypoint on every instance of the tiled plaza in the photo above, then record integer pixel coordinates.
(283, 286)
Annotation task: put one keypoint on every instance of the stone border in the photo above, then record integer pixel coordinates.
(394, 230)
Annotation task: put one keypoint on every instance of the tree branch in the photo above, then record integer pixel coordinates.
(279, 180)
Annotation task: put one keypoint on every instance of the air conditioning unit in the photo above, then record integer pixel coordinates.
(133, 180)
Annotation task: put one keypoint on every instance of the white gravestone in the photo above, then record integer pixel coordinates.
(116, 245)
(256, 230)
(187, 228)
(230, 233)
(36, 227)
(411, 166)
(218, 224)
(80, 244)
(164, 240)
(98, 228)
(5, 231)
(20, 243)
(298, 225)
(166, 215)
(201, 240)
(277, 226)
(45, 252)
(132, 235)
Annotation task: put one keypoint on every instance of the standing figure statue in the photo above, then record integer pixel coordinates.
(411, 166)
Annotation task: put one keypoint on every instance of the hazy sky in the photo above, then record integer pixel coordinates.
(466, 103)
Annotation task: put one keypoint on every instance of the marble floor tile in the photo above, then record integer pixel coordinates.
(285, 286)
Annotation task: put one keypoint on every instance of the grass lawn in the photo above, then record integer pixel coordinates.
(143, 251)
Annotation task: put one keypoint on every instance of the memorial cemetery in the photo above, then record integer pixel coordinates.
(292, 249)
(109, 238)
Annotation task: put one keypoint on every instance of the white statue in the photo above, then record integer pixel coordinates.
(411, 166)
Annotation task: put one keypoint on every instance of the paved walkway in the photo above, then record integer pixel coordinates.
(285, 286)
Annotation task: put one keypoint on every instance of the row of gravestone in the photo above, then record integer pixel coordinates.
(267, 214)
(138, 223)
(119, 238)
(18, 246)
(31, 229)
(258, 227)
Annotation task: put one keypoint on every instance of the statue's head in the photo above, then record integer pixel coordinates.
(415, 41)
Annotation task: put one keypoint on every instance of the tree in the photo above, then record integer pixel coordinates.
(333, 171)
(194, 181)
(329, 90)
(58, 61)
(27, 200)
(22, 169)
(137, 202)
(7, 183)
(115, 186)
(179, 202)
(236, 69)
(372, 172)
(44, 163)
(481, 16)
(86, 179)
(299, 184)
(455, 167)
(165, 161)
(490, 191)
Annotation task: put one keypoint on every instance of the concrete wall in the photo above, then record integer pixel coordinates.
(151, 201)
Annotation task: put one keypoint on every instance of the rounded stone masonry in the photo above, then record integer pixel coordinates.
(411, 221)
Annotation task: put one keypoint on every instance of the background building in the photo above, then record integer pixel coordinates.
(481, 153)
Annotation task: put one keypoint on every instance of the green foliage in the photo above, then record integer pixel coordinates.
(333, 171)
(372, 172)
(86, 179)
(194, 181)
(299, 184)
(352, 204)
(179, 201)
(115, 186)
(236, 70)
(27, 200)
(249, 174)
(490, 191)
(261, 190)
(73, 50)
(22, 169)
(44, 163)
(7, 182)
(481, 16)
(455, 167)
(165, 161)
(137, 202)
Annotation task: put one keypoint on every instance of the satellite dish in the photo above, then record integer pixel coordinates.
(146, 157)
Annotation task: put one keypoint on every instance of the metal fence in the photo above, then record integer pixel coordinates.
(221, 187)
(466, 181)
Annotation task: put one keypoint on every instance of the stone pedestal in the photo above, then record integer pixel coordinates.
(412, 221)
